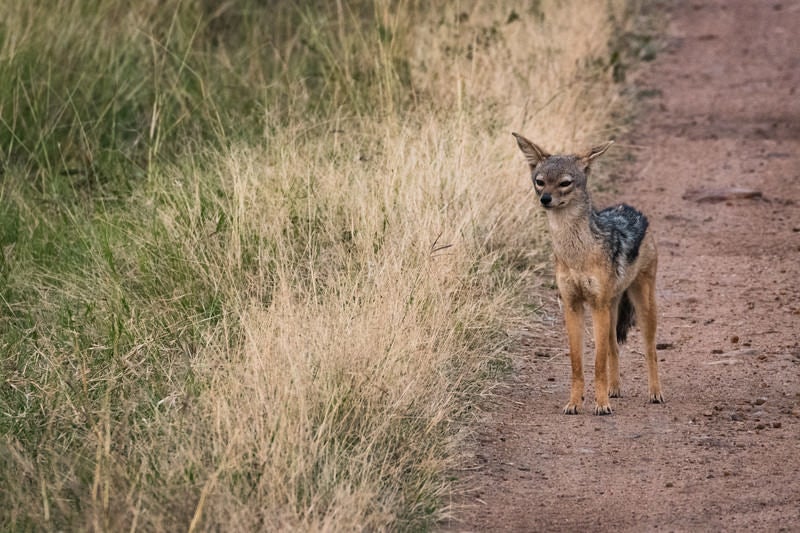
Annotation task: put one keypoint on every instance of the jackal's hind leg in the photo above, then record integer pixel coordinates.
(643, 296)
(614, 387)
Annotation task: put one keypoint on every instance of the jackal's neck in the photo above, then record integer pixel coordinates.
(571, 233)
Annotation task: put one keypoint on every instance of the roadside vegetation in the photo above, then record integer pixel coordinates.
(260, 259)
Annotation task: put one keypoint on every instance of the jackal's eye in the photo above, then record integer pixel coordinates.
(539, 182)
(565, 183)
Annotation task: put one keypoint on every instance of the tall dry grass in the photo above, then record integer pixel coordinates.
(262, 285)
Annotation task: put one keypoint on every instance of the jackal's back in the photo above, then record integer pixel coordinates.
(621, 229)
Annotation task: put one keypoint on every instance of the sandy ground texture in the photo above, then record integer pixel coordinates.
(723, 454)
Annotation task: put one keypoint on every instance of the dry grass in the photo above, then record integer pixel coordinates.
(281, 327)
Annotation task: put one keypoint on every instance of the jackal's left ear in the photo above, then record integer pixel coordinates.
(597, 151)
(533, 154)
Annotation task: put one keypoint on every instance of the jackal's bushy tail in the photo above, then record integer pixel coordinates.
(626, 317)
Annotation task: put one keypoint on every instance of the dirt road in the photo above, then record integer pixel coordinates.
(723, 453)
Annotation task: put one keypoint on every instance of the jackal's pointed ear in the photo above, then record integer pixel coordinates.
(533, 154)
(597, 151)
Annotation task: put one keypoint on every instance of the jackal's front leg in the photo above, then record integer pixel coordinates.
(601, 324)
(573, 316)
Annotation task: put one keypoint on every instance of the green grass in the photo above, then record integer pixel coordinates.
(258, 260)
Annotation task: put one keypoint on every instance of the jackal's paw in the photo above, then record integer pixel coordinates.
(602, 409)
(571, 409)
(614, 391)
(656, 397)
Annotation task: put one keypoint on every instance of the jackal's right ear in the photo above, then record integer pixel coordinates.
(597, 151)
(533, 153)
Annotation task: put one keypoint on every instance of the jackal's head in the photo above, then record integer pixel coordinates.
(559, 180)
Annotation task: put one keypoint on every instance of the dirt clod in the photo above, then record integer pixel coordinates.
(721, 195)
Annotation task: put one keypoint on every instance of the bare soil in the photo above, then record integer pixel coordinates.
(722, 110)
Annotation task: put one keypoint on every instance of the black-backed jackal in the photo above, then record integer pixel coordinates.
(606, 259)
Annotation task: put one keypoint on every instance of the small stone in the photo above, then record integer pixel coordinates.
(669, 484)
(760, 401)
(716, 351)
(735, 339)
(760, 426)
(776, 425)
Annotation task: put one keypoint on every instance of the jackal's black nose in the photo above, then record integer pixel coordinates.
(546, 199)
